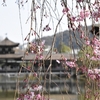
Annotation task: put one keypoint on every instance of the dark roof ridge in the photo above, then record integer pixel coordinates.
(7, 42)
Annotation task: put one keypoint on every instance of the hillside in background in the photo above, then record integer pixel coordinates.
(68, 38)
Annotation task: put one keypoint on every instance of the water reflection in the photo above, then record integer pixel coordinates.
(58, 83)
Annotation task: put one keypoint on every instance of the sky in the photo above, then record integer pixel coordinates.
(10, 23)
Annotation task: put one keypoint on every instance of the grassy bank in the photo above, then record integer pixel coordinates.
(6, 94)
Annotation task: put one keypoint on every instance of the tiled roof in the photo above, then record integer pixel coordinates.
(6, 42)
(10, 56)
(31, 56)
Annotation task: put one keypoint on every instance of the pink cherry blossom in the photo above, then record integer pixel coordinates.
(37, 88)
(78, 19)
(87, 42)
(94, 58)
(65, 10)
(96, 71)
(19, 99)
(73, 19)
(94, 74)
(83, 69)
(71, 64)
(96, 52)
(83, 14)
(96, 11)
(38, 97)
(90, 71)
(42, 43)
(95, 42)
(87, 55)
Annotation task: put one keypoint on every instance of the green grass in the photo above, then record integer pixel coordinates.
(6, 99)
(7, 94)
(82, 97)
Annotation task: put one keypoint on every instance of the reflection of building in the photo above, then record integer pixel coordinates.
(10, 60)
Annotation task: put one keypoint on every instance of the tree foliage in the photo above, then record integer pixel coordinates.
(62, 48)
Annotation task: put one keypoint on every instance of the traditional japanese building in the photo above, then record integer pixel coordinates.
(10, 64)
(8, 57)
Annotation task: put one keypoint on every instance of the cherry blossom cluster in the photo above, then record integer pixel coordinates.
(94, 74)
(71, 64)
(37, 48)
(66, 62)
(32, 93)
(95, 10)
(89, 95)
(90, 13)
(95, 45)
(96, 48)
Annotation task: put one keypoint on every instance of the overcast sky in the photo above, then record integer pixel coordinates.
(10, 24)
(9, 21)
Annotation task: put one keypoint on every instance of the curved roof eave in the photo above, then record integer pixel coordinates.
(8, 43)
